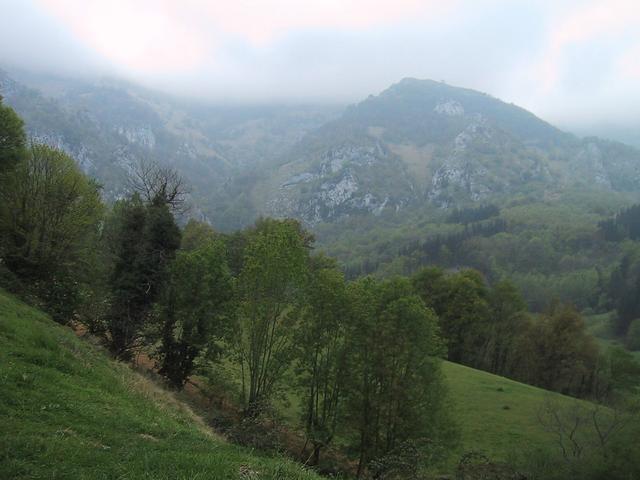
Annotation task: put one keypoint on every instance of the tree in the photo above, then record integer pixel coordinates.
(269, 287)
(193, 310)
(145, 239)
(507, 319)
(12, 138)
(461, 303)
(584, 433)
(397, 393)
(196, 234)
(559, 353)
(320, 340)
(50, 214)
(624, 291)
(432, 285)
(465, 319)
(159, 185)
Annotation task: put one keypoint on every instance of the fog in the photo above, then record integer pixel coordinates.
(570, 62)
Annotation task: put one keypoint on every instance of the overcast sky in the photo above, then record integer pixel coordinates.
(569, 61)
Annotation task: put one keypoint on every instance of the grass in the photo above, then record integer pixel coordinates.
(498, 416)
(69, 412)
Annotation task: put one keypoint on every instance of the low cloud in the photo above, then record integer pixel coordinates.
(567, 61)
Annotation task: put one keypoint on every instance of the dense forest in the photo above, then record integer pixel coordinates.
(261, 312)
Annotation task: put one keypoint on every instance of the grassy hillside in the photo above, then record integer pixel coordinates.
(67, 411)
(498, 416)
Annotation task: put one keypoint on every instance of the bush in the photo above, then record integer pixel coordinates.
(256, 432)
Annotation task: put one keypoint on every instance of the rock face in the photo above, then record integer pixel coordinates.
(452, 108)
(342, 183)
(142, 135)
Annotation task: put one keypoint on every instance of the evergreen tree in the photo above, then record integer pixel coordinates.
(193, 310)
(145, 240)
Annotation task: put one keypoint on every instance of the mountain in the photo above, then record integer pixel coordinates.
(419, 144)
(109, 126)
(422, 142)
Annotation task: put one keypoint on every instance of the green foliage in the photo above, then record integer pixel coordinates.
(49, 219)
(196, 234)
(12, 138)
(461, 302)
(320, 340)
(558, 354)
(193, 310)
(269, 287)
(508, 318)
(144, 240)
(397, 393)
(623, 290)
(633, 335)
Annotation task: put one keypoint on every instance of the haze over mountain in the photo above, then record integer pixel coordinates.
(418, 143)
(574, 63)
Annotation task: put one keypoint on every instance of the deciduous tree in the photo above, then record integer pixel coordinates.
(270, 285)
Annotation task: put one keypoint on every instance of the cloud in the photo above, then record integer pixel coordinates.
(31, 39)
(582, 24)
(164, 36)
(562, 59)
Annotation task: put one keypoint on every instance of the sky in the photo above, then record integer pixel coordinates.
(569, 61)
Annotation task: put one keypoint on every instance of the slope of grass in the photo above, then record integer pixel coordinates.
(498, 416)
(67, 411)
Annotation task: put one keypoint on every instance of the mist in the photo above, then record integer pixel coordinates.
(572, 63)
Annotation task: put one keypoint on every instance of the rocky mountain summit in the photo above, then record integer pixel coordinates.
(423, 142)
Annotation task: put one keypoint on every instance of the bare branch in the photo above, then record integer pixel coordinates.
(159, 184)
